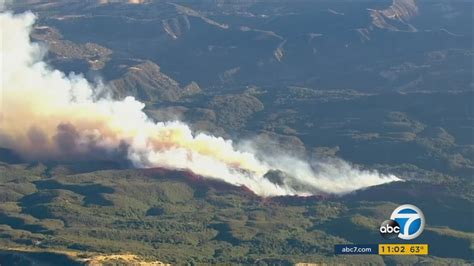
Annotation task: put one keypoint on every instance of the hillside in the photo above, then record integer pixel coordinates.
(242, 92)
(176, 217)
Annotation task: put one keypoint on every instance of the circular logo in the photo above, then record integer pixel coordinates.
(389, 229)
(410, 219)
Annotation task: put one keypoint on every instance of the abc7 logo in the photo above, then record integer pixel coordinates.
(406, 222)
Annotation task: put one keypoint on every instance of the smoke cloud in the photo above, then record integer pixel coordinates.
(47, 115)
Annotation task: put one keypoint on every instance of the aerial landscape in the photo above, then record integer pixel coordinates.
(255, 132)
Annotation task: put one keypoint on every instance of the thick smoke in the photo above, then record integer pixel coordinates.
(46, 115)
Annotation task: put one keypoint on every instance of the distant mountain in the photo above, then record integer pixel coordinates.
(146, 82)
(399, 45)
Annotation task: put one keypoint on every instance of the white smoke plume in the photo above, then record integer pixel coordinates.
(47, 115)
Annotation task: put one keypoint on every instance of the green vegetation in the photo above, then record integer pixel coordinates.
(169, 217)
